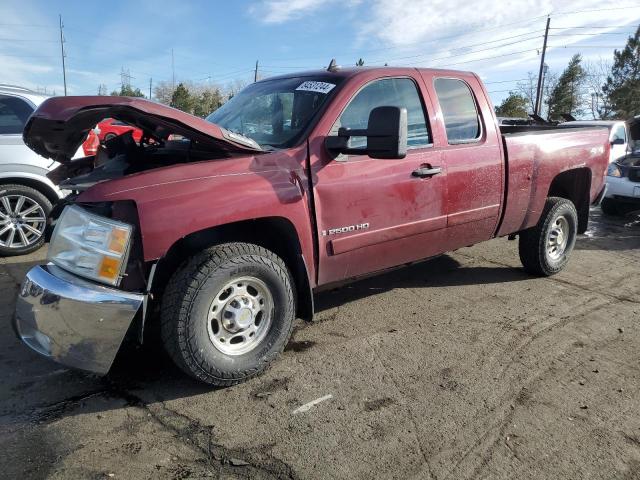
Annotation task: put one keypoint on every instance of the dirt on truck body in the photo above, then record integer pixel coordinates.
(297, 183)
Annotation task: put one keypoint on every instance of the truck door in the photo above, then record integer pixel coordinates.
(473, 155)
(373, 214)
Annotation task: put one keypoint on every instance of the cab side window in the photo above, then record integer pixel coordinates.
(14, 113)
(459, 110)
(394, 92)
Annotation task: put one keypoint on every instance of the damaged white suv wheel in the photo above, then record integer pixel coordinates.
(23, 218)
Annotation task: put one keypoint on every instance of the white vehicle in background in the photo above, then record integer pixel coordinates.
(26, 194)
(619, 135)
(623, 174)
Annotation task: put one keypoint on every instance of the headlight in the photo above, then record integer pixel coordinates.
(613, 170)
(89, 245)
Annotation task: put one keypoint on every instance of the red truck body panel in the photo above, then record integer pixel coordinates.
(533, 166)
(182, 199)
(383, 215)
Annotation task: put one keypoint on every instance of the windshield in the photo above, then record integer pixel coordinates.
(275, 113)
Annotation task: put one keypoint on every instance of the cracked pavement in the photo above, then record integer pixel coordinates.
(459, 367)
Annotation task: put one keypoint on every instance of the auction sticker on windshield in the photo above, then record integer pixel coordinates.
(312, 86)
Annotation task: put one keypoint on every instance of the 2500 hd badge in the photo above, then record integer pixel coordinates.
(350, 228)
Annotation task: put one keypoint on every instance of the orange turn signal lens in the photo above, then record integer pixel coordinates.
(109, 268)
(118, 241)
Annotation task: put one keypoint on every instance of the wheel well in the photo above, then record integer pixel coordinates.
(273, 233)
(42, 187)
(574, 185)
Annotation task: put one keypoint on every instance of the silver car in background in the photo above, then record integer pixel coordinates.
(26, 194)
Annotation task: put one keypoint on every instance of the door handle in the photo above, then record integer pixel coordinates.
(426, 171)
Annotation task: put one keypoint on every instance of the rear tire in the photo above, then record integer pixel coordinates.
(545, 249)
(227, 313)
(18, 229)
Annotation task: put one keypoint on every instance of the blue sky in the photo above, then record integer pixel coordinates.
(219, 41)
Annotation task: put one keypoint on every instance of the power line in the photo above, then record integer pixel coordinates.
(27, 40)
(575, 45)
(586, 34)
(26, 25)
(592, 27)
(490, 58)
(394, 59)
(510, 81)
(24, 56)
(437, 39)
(536, 37)
(628, 7)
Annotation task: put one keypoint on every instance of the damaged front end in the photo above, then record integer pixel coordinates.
(78, 307)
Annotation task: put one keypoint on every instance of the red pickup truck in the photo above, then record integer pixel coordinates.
(298, 182)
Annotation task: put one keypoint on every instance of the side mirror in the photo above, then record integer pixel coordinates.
(617, 141)
(386, 135)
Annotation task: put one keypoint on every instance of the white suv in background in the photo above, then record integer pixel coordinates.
(623, 174)
(619, 135)
(26, 194)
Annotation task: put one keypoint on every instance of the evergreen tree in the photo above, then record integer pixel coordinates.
(515, 105)
(622, 89)
(360, 63)
(566, 96)
(181, 99)
(207, 102)
(128, 91)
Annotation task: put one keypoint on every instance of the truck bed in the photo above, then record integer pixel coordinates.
(534, 156)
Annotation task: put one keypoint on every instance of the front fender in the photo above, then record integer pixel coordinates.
(176, 201)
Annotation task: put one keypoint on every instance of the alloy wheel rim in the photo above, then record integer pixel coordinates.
(22, 221)
(558, 238)
(240, 315)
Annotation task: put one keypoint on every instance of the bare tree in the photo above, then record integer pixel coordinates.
(163, 92)
(596, 99)
(528, 89)
(550, 83)
(234, 87)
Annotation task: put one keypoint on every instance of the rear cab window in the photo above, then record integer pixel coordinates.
(394, 92)
(459, 111)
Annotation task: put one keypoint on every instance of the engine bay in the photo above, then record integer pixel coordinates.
(122, 156)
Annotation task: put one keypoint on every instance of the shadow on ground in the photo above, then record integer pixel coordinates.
(148, 371)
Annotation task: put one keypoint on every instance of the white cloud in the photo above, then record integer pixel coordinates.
(391, 30)
(280, 11)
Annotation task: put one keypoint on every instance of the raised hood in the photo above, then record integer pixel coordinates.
(634, 128)
(61, 124)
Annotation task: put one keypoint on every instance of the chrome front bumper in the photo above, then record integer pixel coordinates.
(73, 321)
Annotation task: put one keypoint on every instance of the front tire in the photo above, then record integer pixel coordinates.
(23, 218)
(227, 313)
(545, 249)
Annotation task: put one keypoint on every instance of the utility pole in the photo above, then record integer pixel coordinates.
(150, 83)
(125, 78)
(255, 73)
(64, 70)
(173, 72)
(544, 51)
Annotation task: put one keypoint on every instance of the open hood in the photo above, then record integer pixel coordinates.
(60, 125)
(634, 128)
